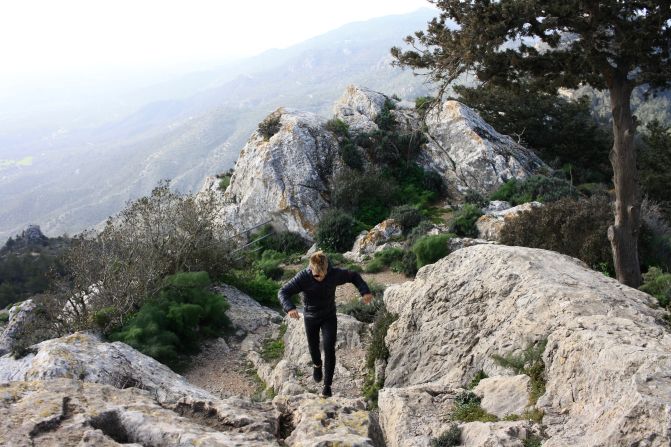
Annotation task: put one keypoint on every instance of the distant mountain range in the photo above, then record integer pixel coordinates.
(69, 179)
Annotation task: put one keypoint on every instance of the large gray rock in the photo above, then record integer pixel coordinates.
(608, 352)
(284, 179)
(359, 107)
(245, 312)
(368, 242)
(504, 395)
(20, 315)
(469, 153)
(65, 412)
(498, 434)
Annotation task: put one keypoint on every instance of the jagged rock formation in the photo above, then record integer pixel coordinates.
(469, 153)
(20, 314)
(285, 178)
(606, 362)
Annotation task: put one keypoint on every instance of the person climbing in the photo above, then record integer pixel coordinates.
(318, 283)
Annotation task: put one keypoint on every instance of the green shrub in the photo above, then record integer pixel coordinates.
(269, 264)
(476, 379)
(537, 187)
(419, 231)
(467, 409)
(407, 216)
(4, 317)
(423, 103)
(224, 182)
(174, 323)
(463, 221)
(270, 125)
(351, 156)
(409, 264)
(336, 231)
(285, 242)
(532, 441)
(338, 127)
(255, 284)
(530, 362)
(389, 257)
(449, 438)
(365, 312)
(475, 198)
(658, 284)
(576, 228)
(104, 317)
(429, 249)
(377, 348)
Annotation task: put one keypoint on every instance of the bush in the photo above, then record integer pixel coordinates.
(389, 257)
(273, 349)
(658, 284)
(463, 221)
(365, 312)
(654, 241)
(475, 198)
(270, 125)
(537, 187)
(409, 264)
(449, 438)
(576, 228)
(351, 156)
(407, 216)
(468, 409)
(336, 231)
(255, 284)
(423, 103)
(338, 127)
(377, 348)
(269, 264)
(429, 249)
(174, 323)
(285, 242)
(476, 379)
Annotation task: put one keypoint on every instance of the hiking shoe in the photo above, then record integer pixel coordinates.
(326, 391)
(317, 373)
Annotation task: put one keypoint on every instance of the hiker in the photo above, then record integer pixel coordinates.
(318, 283)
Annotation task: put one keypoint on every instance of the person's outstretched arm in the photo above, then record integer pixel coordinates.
(288, 290)
(345, 276)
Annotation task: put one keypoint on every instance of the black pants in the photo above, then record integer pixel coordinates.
(329, 325)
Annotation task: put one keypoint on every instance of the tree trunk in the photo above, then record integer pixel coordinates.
(623, 235)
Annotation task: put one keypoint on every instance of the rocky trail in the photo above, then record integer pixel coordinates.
(224, 368)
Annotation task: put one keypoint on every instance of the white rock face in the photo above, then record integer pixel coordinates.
(246, 313)
(607, 357)
(285, 179)
(498, 434)
(368, 242)
(470, 154)
(64, 412)
(490, 224)
(19, 316)
(504, 395)
(359, 107)
(325, 422)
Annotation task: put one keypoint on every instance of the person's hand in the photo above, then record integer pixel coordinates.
(293, 313)
(367, 298)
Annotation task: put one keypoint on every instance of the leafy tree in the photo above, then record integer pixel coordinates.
(609, 44)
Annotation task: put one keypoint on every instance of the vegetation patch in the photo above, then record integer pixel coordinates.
(377, 350)
(476, 379)
(463, 221)
(449, 438)
(177, 320)
(658, 284)
(270, 125)
(255, 284)
(430, 249)
(387, 258)
(365, 312)
(467, 409)
(529, 362)
(537, 187)
(336, 231)
(273, 349)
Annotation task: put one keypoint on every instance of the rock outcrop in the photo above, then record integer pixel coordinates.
(491, 223)
(285, 178)
(359, 107)
(606, 361)
(369, 242)
(20, 315)
(469, 153)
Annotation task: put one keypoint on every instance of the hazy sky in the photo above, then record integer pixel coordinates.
(59, 36)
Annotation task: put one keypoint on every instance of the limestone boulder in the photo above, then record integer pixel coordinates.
(470, 154)
(317, 422)
(608, 350)
(19, 316)
(504, 395)
(67, 412)
(368, 242)
(85, 357)
(245, 312)
(490, 224)
(498, 434)
(284, 179)
(359, 107)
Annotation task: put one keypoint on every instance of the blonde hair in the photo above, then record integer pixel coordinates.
(319, 263)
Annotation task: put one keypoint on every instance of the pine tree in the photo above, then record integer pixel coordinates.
(609, 44)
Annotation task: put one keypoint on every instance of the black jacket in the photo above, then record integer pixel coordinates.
(319, 297)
